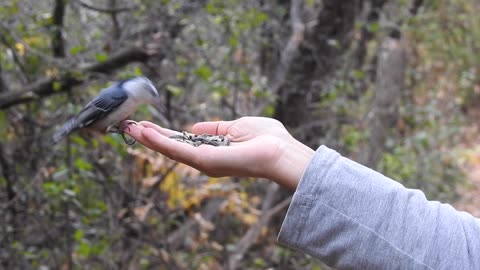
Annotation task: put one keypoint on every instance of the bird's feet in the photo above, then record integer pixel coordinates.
(125, 125)
(120, 129)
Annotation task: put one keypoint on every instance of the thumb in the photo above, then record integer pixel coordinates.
(215, 128)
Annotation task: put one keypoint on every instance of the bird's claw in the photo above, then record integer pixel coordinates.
(127, 140)
(120, 129)
(124, 125)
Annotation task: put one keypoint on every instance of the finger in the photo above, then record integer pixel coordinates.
(164, 131)
(173, 149)
(216, 128)
(135, 131)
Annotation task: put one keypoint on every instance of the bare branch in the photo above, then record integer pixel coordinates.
(105, 10)
(70, 78)
(176, 238)
(8, 175)
(254, 232)
(415, 6)
(116, 25)
(3, 86)
(16, 59)
(4, 32)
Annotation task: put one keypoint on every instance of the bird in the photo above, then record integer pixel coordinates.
(110, 107)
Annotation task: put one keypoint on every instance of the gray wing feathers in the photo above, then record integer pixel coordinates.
(67, 128)
(107, 101)
(88, 115)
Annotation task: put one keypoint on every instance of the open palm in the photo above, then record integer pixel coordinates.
(258, 148)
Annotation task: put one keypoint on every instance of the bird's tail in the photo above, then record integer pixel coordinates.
(67, 128)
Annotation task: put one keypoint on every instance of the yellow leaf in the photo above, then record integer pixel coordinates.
(191, 201)
(249, 219)
(20, 48)
(243, 196)
(170, 182)
(52, 72)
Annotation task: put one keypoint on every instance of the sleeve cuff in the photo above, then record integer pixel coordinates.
(304, 196)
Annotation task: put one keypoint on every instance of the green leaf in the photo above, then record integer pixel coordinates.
(57, 86)
(3, 182)
(181, 75)
(269, 111)
(111, 140)
(79, 140)
(373, 27)
(181, 61)
(78, 235)
(3, 126)
(246, 78)
(358, 74)
(51, 188)
(259, 18)
(77, 49)
(83, 165)
(84, 249)
(233, 41)
(210, 8)
(175, 90)
(101, 57)
(203, 72)
(137, 71)
(259, 262)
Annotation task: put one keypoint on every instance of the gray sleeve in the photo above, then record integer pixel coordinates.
(351, 217)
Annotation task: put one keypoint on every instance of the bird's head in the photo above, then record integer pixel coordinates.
(141, 89)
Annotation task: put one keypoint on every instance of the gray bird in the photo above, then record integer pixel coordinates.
(112, 105)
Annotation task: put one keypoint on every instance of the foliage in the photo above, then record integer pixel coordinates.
(92, 202)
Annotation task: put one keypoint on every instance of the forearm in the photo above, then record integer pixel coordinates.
(354, 218)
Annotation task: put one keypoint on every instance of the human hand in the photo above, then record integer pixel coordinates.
(260, 147)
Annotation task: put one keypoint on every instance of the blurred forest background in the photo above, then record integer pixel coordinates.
(392, 84)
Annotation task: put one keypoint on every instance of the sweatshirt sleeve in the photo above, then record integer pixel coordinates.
(351, 217)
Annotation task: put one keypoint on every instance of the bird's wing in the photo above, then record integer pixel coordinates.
(106, 102)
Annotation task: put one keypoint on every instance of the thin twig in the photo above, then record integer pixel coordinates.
(177, 237)
(116, 25)
(157, 183)
(290, 51)
(58, 43)
(253, 233)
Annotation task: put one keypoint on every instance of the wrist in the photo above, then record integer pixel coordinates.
(292, 162)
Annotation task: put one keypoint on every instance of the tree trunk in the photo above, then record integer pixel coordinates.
(317, 58)
(58, 43)
(390, 82)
